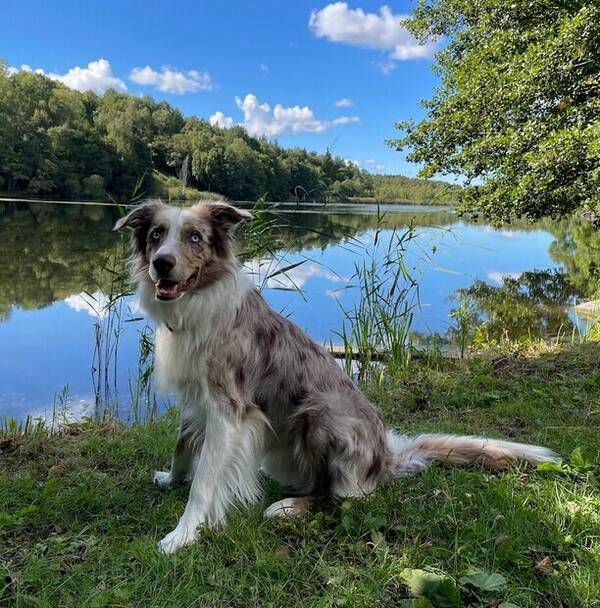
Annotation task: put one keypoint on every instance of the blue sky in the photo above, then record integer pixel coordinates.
(300, 56)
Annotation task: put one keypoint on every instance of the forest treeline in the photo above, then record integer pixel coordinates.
(60, 143)
(402, 189)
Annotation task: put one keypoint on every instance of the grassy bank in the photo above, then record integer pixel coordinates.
(372, 200)
(169, 188)
(79, 516)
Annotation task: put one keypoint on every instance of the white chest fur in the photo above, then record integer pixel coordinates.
(188, 329)
(180, 363)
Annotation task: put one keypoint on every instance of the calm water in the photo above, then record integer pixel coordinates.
(59, 265)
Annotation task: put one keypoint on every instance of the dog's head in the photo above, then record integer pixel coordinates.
(181, 249)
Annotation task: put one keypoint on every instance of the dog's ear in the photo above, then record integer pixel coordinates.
(225, 216)
(140, 217)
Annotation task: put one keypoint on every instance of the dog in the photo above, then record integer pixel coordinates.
(256, 393)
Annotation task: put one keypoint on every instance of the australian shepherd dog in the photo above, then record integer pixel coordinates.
(256, 394)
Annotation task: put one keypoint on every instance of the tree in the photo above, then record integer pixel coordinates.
(518, 106)
(126, 127)
(167, 121)
(24, 120)
(55, 141)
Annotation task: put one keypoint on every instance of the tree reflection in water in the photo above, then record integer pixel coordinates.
(53, 251)
(533, 304)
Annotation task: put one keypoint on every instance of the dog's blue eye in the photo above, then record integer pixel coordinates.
(195, 238)
(155, 235)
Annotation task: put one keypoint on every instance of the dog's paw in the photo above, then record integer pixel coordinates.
(294, 506)
(163, 478)
(179, 538)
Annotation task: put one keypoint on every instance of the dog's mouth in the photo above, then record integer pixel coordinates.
(165, 289)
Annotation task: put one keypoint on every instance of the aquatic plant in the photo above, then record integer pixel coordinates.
(376, 330)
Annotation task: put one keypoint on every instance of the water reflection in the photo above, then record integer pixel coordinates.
(532, 304)
(62, 263)
(55, 252)
(51, 252)
(577, 248)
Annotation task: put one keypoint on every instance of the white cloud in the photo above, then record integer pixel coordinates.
(499, 277)
(24, 68)
(345, 120)
(97, 77)
(172, 81)
(335, 293)
(135, 307)
(386, 67)
(262, 271)
(220, 120)
(264, 68)
(94, 304)
(373, 164)
(508, 234)
(384, 31)
(344, 102)
(259, 119)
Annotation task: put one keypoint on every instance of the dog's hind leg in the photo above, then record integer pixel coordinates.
(294, 506)
(226, 472)
(337, 444)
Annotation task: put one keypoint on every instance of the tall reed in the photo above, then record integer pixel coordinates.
(143, 398)
(110, 310)
(376, 332)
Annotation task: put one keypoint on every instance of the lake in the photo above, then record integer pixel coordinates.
(62, 266)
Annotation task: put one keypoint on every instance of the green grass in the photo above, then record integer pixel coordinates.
(79, 516)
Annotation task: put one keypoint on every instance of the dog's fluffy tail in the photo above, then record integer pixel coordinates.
(413, 454)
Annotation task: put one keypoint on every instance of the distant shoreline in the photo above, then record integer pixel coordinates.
(370, 200)
(4, 198)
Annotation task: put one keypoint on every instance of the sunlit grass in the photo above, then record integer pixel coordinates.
(79, 516)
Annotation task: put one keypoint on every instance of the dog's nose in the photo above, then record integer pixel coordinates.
(163, 264)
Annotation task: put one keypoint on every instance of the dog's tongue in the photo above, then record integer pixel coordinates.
(167, 289)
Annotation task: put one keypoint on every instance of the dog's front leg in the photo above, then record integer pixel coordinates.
(188, 447)
(181, 463)
(226, 472)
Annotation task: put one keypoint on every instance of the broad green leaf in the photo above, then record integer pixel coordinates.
(581, 461)
(551, 467)
(577, 459)
(484, 581)
(419, 582)
(437, 588)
